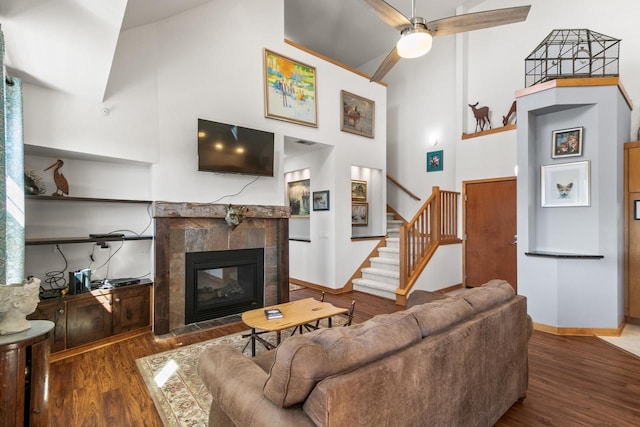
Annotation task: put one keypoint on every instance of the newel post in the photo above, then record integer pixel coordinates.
(403, 256)
(436, 214)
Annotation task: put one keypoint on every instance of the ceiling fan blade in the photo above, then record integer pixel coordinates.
(389, 14)
(386, 66)
(477, 21)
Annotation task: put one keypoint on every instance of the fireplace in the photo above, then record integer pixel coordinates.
(221, 283)
(184, 228)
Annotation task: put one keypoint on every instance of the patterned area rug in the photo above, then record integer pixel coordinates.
(180, 397)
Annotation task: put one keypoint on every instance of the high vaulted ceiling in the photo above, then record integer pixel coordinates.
(69, 45)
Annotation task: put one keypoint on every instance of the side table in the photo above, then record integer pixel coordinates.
(24, 376)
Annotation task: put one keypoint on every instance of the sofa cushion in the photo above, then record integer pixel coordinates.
(304, 360)
(422, 297)
(488, 295)
(440, 314)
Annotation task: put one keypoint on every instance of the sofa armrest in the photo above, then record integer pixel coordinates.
(235, 383)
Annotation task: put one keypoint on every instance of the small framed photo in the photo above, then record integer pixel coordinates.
(566, 143)
(636, 209)
(359, 214)
(298, 194)
(565, 184)
(358, 114)
(321, 200)
(290, 89)
(435, 161)
(358, 190)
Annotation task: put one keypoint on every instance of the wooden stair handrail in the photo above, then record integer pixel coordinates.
(402, 187)
(435, 223)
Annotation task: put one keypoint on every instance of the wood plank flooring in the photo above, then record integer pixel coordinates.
(574, 381)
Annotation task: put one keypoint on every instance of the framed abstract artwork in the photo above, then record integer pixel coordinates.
(289, 90)
(358, 114)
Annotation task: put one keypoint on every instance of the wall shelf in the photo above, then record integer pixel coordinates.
(84, 199)
(60, 240)
(489, 131)
(562, 255)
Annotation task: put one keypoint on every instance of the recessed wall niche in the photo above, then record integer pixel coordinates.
(367, 209)
(570, 257)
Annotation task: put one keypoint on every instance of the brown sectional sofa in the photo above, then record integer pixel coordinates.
(454, 361)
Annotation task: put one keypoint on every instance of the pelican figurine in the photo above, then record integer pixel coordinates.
(61, 182)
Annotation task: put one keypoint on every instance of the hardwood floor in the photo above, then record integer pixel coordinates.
(573, 381)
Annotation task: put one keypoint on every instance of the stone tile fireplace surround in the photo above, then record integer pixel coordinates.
(197, 227)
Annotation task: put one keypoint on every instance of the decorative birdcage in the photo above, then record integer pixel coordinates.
(572, 54)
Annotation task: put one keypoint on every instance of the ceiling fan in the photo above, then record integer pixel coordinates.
(416, 33)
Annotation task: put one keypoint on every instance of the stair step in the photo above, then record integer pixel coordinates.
(385, 263)
(391, 232)
(374, 287)
(393, 242)
(386, 252)
(381, 275)
(394, 223)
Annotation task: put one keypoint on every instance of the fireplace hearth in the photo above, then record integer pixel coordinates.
(221, 283)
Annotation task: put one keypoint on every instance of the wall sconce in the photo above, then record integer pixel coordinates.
(433, 142)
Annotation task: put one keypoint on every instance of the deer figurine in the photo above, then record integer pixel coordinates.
(482, 116)
(512, 111)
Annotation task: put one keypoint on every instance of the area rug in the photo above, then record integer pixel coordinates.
(629, 339)
(180, 397)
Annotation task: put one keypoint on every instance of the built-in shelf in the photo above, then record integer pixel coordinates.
(489, 131)
(85, 199)
(60, 240)
(563, 255)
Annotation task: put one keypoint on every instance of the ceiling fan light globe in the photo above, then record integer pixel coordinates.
(414, 43)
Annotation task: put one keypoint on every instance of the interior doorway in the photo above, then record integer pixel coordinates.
(489, 224)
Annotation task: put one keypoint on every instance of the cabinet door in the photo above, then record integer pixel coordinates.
(53, 310)
(88, 319)
(131, 308)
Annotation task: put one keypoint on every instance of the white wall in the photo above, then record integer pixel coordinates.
(199, 65)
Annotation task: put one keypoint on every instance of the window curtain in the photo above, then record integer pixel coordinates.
(12, 174)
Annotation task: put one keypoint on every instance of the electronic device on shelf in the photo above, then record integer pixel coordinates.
(123, 282)
(79, 281)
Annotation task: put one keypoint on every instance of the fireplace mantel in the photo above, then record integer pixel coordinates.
(210, 210)
(196, 227)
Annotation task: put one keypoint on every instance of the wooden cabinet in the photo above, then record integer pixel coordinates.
(53, 310)
(86, 318)
(632, 232)
(24, 370)
(89, 318)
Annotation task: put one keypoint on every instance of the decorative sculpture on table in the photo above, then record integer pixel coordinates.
(62, 186)
(235, 215)
(482, 116)
(17, 301)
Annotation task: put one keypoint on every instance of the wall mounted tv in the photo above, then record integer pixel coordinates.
(228, 148)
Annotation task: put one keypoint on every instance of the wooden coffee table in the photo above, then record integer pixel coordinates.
(294, 313)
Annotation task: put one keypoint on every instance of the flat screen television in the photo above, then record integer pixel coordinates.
(226, 148)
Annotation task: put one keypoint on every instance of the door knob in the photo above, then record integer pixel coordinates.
(515, 240)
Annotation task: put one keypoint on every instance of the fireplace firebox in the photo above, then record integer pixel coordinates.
(221, 283)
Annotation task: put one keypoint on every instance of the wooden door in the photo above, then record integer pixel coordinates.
(88, 319)
(131, 308)
(490, 227)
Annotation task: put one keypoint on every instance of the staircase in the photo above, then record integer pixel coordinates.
(409, 247)
(382, 278)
